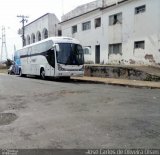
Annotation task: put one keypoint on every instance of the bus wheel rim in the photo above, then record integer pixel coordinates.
(43, 74)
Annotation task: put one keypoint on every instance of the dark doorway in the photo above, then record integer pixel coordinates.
(97, 54)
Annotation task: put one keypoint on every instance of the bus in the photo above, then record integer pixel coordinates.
(52, 57)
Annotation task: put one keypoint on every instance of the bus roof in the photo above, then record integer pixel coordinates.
(55, 40)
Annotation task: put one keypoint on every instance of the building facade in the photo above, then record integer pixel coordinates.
(117, 31)
(42, 28)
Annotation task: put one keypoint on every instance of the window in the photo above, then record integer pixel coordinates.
(115, 48)
(33, 38)
(45, 33)
(28, 40)
(74, 29)
(86, 26)
(38, 36)
(115, 19)
(59, 33)
(140, 9)
(86, 51)
(139, 45)
(97, 22)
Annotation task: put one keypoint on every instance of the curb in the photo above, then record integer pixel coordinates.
(122, 82)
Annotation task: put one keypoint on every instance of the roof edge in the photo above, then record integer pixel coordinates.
(80, 15)
(99, 8)
(39, 18)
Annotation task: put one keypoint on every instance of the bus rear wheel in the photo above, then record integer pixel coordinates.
(42, 74)
(20, 73)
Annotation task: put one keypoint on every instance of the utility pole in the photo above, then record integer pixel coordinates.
(62, 2)
(3, 46)
(103, 3)
(23, 20)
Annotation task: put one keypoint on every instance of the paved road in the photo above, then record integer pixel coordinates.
(53, 114)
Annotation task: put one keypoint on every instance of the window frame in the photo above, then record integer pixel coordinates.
(39, 37)
(59, 32)
(46, 34)
(113, 19)
(141, 8)
(139, 45)
(74, 29)
(97, 20)
(111, 51)
(86, 26)
(89, 52)
(34, 38)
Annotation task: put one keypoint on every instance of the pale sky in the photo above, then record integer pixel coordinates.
(9, 9)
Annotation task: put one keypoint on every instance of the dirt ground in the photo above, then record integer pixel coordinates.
(63, 115)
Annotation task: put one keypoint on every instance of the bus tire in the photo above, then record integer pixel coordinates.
(42, 74)
(67, 78)
(20, 73)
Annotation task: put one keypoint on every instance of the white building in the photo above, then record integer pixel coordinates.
(118, 31)
(41, 28)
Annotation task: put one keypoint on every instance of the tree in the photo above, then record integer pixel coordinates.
(9, 62)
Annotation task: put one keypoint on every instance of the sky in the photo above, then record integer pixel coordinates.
(9, 9)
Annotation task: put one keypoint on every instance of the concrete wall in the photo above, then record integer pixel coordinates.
(141, 27)
(119, 72)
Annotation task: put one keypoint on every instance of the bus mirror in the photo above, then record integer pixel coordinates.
(86, 50)
(57, 47)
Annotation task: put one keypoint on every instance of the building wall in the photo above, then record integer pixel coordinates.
(47, 22)
(82, 9)
(134, 27)
(87, 38)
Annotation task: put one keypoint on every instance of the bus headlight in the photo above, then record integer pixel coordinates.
(60, 68)
(81, 69)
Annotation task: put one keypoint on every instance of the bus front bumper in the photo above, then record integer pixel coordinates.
(69, 73)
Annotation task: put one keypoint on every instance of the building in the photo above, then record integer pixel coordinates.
(41, 28)
(118, 31)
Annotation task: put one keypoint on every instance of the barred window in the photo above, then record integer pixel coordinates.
(139, 45)
(115, 48)
(140, 9)
(86, 25)
(97, 22)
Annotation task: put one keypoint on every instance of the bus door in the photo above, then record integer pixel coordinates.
(50, 67)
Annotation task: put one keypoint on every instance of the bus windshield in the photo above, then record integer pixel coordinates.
(70, 54)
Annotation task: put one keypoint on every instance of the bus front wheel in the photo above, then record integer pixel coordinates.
(42, 73)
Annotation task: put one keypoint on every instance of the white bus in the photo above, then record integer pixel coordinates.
(54, 57)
